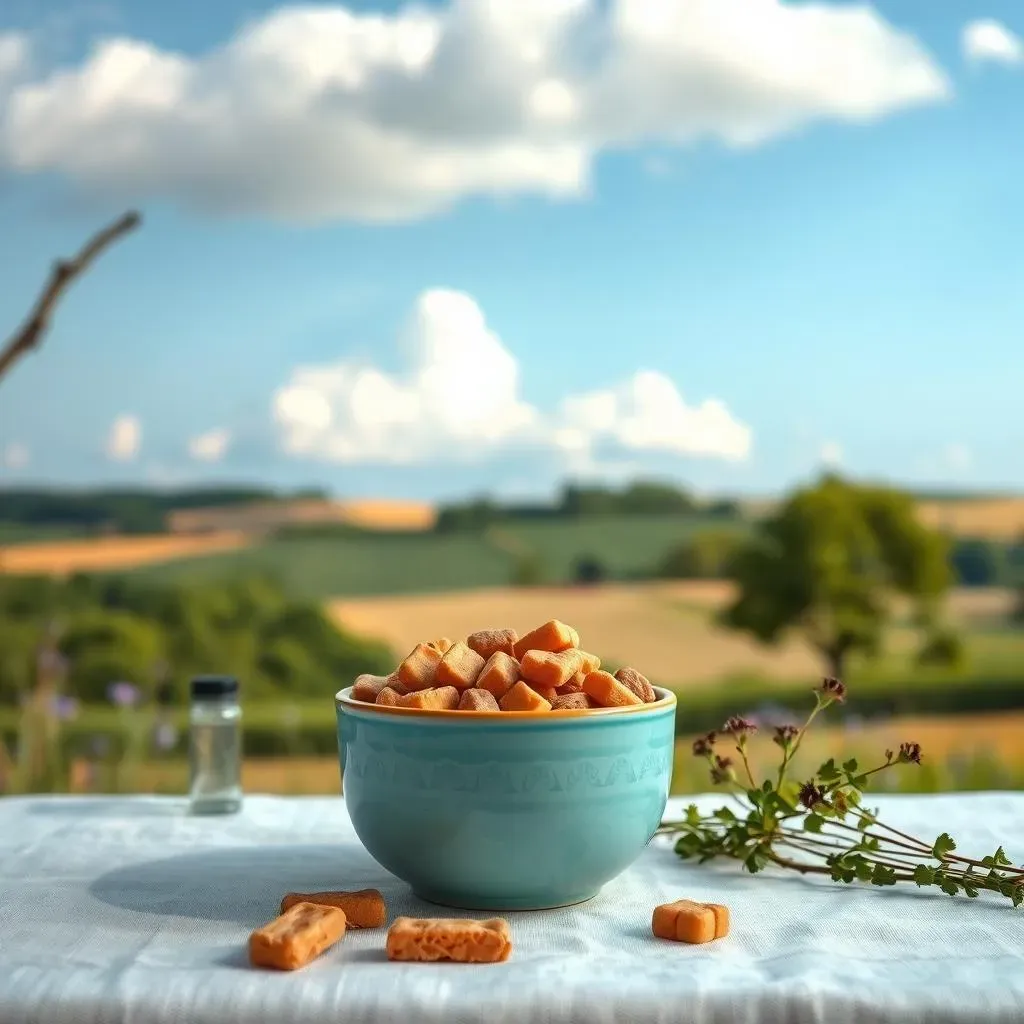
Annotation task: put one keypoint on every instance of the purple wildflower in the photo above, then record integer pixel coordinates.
(704, 746)
(833, 689)
(123, 695)
(739, 728)
(811, 795)
(165, 736)
(910, 753)
(64, 708)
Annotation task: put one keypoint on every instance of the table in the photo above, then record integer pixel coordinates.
(126, 909)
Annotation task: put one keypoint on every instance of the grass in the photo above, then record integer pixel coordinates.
(365, 563)
(370, 563)
(973, 752)
(26, 533)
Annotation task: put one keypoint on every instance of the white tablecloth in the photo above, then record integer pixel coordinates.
(128, 910)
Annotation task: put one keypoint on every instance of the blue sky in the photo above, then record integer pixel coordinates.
(409, 287)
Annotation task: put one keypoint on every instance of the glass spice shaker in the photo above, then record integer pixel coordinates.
(215, 746)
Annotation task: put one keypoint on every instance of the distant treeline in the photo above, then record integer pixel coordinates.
(575, 501)
(123, 511)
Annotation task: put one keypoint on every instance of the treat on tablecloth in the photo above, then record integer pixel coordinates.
(687, 921)
(295, 938)
(457, 939)
(364, 908)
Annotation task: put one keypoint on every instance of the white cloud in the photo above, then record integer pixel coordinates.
(211, 446)
(124, 439)
(460, 399)
(988, 40)
(831, 454)
(320, 112)
(16, 455)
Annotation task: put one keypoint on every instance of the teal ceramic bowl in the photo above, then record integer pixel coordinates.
(505, 811)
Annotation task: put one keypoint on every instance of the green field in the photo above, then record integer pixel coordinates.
(23, 533)
(377, 563)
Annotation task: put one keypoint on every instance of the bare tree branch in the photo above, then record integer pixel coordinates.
(31, 332)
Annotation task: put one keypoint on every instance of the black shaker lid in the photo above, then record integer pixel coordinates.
(214, 687)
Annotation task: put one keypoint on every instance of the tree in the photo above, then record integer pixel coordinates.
(827, 564)
(707, 554)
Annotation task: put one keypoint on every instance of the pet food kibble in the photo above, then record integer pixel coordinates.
(367, 687)
(474, 699)
(498, 675)
(589, 663)
(553, 636)
(417, 672)
(686, 921)
(299, 935)
(457, 939)
(549, 693)
(389, 697)
(487, 642)
(571, 702)
(548, 669)
(441, 698)
(721, 913)
(522, 698)
(575, 685)
(459, 667)
(442, 646)
(364, 908)
(607, 691)
(640, 685)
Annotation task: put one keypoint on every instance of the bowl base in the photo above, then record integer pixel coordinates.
(497, 905)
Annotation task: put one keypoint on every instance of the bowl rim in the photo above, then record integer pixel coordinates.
(344, 701)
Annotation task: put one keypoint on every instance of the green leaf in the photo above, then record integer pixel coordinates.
(767, 787)
(883, 875)
(924, 875)
(850, 766)
(692, 815)
(949, 887)
(813, 823)
(971, 891)
(864, 873)
(860, 781)
(828, 772)
(1000, 857)
(943, 845)
(1017, 897)
(724, 814)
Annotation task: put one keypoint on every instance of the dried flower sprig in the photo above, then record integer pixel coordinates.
(819, 826)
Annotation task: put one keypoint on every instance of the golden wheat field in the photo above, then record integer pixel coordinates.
(662, 629)
(99, 553)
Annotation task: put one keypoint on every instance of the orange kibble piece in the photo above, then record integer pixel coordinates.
(721, 913)
(522, 698)
(456, 939)
(607, 691)
(575, 685)
(459, 667)
(390, 697)
(441, 646)
(475, 699)
(549, 693)
(571, 702)
(547, 669)
(589, 662)
(441, 698)
(553, 636)
(640, 685)
(499, 674)
(418, 670)
(686, 921)
(367, 687)
(364, 908)
(299, 935)
(487, 642)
